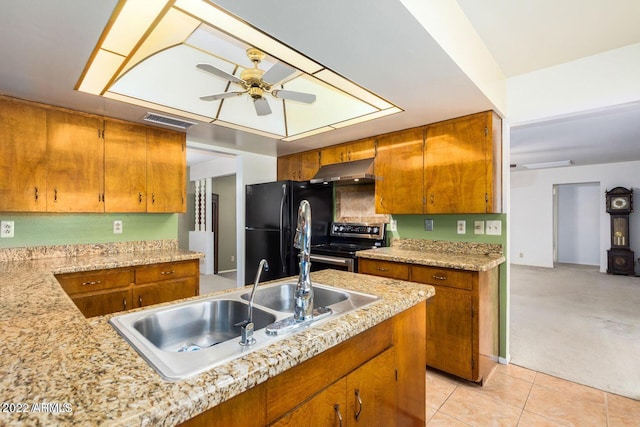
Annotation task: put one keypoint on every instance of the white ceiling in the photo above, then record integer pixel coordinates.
(44, 46)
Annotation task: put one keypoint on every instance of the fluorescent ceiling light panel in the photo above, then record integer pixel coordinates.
(545, 165)
(149, 54)
(134, 20)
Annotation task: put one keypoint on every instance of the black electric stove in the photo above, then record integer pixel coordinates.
(345, 240)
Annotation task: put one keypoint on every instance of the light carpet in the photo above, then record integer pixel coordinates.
(576, 323)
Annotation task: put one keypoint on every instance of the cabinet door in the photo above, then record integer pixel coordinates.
(450, 332)
(363, 149)
(371, 401)
(288, 167)
(399, 165)
(23, 172)
(170, 290)
(333, 154)
(309, 164)
(125, 167)
(324, 409)
(99, 304)
(75, 164)
(455, 159)
(166, 171)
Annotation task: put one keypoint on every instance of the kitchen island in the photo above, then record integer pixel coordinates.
(78, 371)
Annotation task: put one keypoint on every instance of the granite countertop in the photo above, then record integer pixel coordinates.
(88, 375)
(457, 255)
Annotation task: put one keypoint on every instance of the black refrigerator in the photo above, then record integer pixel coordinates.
(270, 224)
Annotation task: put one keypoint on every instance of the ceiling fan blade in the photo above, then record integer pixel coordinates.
(262, 106)
(307, 98)
(277, 73)
(221, 96)
(219, 73)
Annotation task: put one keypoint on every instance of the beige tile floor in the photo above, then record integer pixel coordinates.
(516, 396)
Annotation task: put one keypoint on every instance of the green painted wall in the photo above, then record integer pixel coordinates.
(61, 229)
(444, 228)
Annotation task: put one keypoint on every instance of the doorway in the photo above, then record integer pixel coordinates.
(214, 227)
(577, 223)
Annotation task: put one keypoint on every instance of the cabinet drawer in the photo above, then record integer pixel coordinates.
(442, 277)
(166, 271)
(89, 281)
(393, 270)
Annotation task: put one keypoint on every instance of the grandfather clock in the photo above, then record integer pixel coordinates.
(620, 258)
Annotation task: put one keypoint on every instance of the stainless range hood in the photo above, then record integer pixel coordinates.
(357, 171)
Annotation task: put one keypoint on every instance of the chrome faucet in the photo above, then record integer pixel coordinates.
(303, 299)
(246, 327)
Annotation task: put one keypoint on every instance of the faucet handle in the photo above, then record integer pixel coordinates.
(246, 333)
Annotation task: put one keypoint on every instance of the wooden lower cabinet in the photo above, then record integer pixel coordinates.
(104, 302)
(378, 374)
(101, 292)
(462, 325)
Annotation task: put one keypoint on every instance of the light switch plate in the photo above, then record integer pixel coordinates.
(117, 227)
(494, 228)
(393, 225)
(478, 227)
(6, 229)
(462, 226)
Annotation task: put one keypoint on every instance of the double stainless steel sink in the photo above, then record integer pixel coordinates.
(187, 338)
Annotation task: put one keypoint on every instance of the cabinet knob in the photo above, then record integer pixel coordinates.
(36, 192)
(92, 282)
(140, 197)
(382, 269)
(139, 300)
(439, 277)
(164, 273)
(124, 304)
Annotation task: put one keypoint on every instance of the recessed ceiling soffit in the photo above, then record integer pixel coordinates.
(149, 55)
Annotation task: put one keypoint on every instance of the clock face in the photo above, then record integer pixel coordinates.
(619, 202)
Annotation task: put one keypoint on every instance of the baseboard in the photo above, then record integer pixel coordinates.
(227, 271)
(504, 360)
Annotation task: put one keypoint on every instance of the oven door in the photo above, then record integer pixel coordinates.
(321, 262)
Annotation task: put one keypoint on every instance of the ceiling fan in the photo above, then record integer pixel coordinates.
(257, 83)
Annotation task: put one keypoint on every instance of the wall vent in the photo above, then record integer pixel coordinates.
(168, 121)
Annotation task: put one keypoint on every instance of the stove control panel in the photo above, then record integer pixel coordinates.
(373, 231)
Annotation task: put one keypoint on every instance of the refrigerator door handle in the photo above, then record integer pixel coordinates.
(282, 199)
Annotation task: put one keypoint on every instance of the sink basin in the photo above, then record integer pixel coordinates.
(184, 339)
(280, 298)
(200, 325)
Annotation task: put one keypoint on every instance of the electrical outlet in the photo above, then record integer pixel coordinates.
(494, 228)
(393, 225)
(6, 229)
(233, 258)
(117, 227)
(478, 227)
(462, 226)
(428, 224)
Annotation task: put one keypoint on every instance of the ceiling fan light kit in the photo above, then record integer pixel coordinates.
(256, 82)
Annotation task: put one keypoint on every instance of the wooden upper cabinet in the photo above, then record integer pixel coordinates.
(23, 138)
(357, 150)
(75, 162)
(399, 167)
(299, 167)
(459, 157)
(166, 171)
(125, 167)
